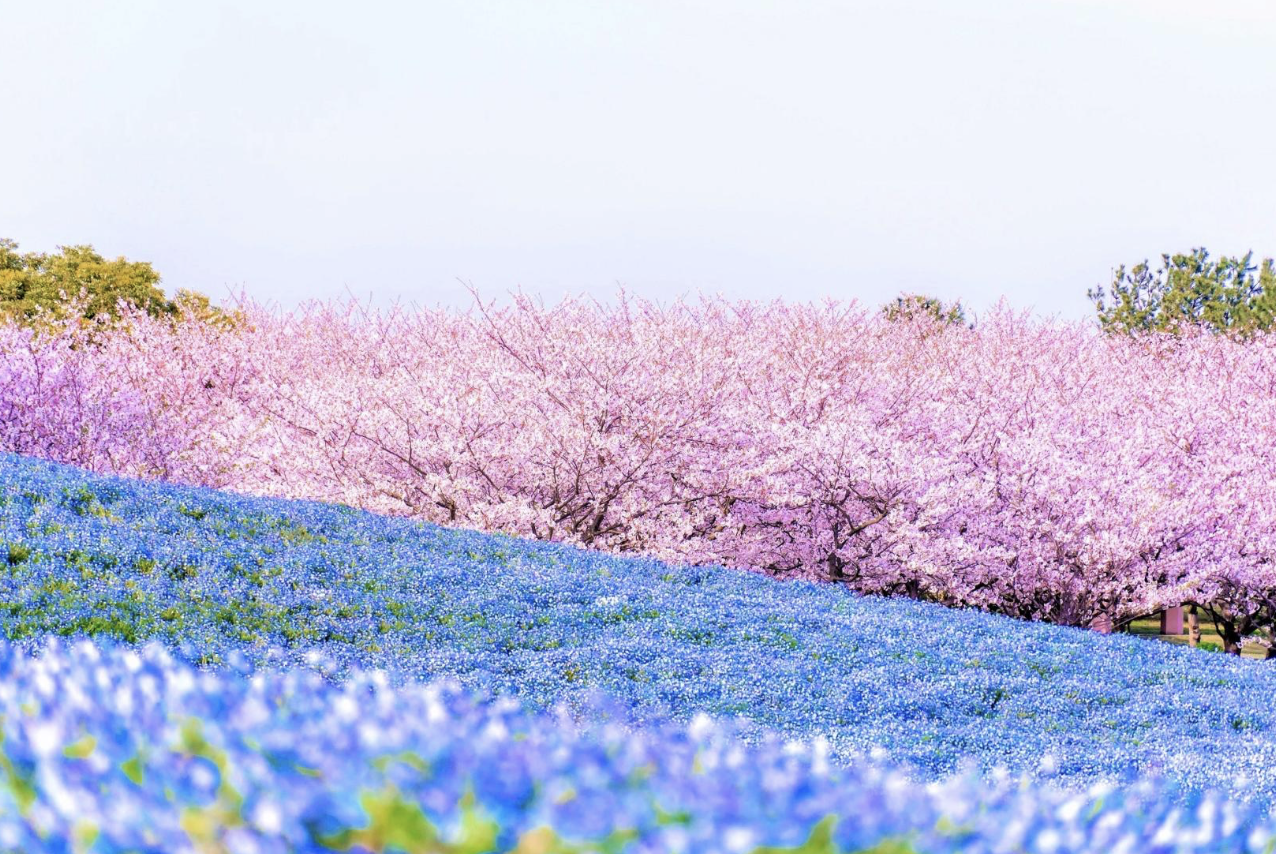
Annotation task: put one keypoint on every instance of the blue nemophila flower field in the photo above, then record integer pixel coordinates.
(122, 750)
(214, 576)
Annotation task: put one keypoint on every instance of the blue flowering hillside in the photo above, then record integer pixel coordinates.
(120, 750)
(213, 576)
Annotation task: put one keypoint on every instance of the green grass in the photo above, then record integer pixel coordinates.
(1150, 627)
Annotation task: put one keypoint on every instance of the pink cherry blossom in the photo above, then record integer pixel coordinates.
(1033, 468)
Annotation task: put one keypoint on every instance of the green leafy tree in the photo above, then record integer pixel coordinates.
(15, 275)
(34, 284)
(1224, 295)
(198, 307)
(35, 281)
(910, 306)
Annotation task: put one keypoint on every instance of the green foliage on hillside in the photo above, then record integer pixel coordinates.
(1223, 295)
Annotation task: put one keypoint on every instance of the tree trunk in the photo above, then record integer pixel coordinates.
(1231, 638)
(1193, 627)
(1271, 643)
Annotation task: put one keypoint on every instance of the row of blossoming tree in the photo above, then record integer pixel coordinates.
(1039, 469)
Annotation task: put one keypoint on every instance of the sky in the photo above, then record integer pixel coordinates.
(974, 150)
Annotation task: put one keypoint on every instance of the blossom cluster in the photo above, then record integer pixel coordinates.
(113, 750)
(216, 576)
(1036, 469)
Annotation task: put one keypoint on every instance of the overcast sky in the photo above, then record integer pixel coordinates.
(964, 148)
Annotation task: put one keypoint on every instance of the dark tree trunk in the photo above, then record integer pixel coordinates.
(1231, 637)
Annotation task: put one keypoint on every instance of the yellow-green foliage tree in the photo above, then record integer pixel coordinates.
(35, 283)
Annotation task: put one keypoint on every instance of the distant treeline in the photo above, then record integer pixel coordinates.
(1230, 294)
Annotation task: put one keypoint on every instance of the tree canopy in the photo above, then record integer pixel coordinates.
(911, 306)
(35, 283)
(1224, 295)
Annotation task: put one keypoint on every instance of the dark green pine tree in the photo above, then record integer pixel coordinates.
(1190, 289)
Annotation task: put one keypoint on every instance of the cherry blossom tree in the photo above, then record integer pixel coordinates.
(1038, 469)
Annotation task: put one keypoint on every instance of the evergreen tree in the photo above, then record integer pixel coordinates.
(1190, 289)
(909, 306)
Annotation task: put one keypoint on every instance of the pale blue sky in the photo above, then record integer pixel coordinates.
(965, 148)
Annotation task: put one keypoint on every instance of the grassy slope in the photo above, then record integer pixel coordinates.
(215, 574)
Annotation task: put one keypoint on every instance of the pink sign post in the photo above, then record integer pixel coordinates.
(1172, 621)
